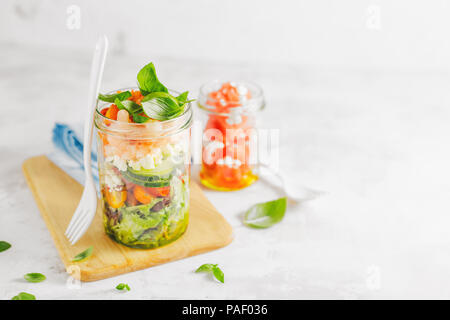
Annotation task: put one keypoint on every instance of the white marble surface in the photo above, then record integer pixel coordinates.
(375, 141)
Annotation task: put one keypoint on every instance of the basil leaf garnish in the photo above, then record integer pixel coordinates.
(83, 255)
(212, 268)
(123, 286)
(24, 296)
(130, 106)
(139, 119)
(133, 108)
(265, 215)
(161, 106)
(157, 104)
(182, 98)
(34, 277)
(148, 81)
(115, 96)
(4, 246)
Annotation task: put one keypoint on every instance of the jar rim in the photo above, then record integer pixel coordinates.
(255, 103)
(172, 127)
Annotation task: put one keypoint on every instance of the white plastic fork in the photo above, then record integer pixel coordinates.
(85, 212)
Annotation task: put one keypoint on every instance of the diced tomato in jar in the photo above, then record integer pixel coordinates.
(226, 140)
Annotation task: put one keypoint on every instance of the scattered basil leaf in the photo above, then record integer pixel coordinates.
(148, 81)
(24, 296)
(115, 96)
(123, 286)
(207, 267)
(212, 268)
(161, 106)
(83, 255)
(34, 277)
(4, 246)
(265, 215)
(218, 274)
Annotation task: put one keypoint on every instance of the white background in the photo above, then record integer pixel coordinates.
(349, 33)
(358, 89)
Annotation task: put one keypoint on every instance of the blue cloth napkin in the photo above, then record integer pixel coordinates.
(68, 151)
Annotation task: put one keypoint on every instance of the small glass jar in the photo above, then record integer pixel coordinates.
(144, 171)
(229, 116)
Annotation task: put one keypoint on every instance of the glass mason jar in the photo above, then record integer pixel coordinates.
(229, 116)
(144, 171)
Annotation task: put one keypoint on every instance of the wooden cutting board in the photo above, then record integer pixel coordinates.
(57, 195)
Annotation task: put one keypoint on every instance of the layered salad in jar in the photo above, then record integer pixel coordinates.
(144, 162)
(230, 111)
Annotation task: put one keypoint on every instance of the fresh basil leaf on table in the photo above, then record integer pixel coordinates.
(83, 255)
(24, 296)
(218, 274)
(266, 214)
(34, 277)
(207, 267)
(212, 268)
(4, 246)
(123, 286)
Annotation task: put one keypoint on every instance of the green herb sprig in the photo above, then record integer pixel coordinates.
(214, 269)
(4, 246)
(266, 214)
(83, 255)
(34, 277)
(157, 103)
(24, 296)
(123, 286)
